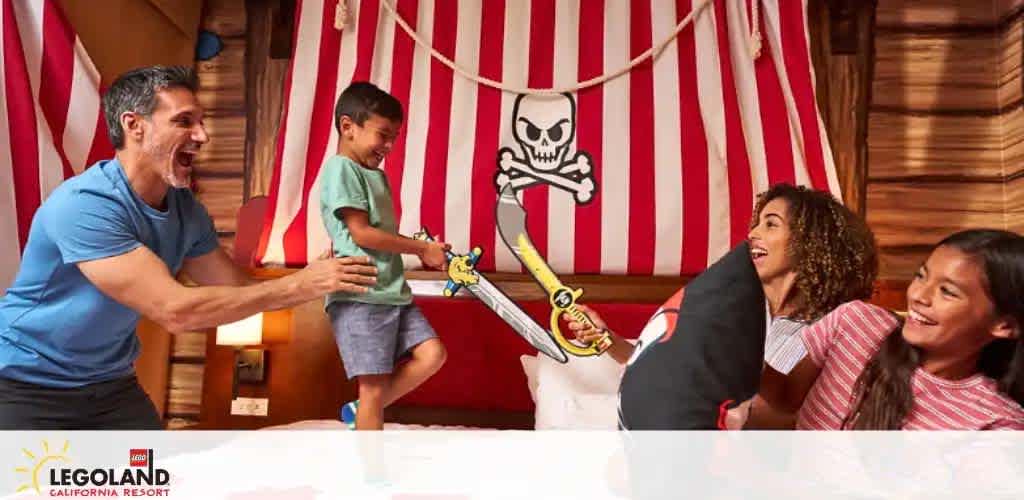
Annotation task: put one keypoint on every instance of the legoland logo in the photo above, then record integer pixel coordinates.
(140, 479)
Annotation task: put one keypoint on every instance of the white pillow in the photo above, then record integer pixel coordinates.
(581, 375)
(592, 412)
(580, 394)
(530, 369)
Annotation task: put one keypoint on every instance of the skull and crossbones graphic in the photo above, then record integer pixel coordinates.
(544, 127)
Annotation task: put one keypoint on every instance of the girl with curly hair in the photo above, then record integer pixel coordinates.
(811, 254)
(957, 362)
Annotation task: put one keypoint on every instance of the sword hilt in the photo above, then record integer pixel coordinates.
(563, 300)
(424, 235)
(461, 268)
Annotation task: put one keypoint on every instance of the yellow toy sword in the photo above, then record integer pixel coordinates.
(511, 219)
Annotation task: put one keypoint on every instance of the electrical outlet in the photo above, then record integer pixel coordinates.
(250, 406)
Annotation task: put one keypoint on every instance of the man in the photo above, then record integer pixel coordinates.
(104, 249)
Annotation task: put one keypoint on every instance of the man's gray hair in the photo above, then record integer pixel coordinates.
(136, 91)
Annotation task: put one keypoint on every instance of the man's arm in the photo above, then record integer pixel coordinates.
(140, 280)
(216, 268)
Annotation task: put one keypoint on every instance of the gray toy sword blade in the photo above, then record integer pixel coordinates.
(461, 273)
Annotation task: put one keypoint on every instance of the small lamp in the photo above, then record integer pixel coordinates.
(249, 363)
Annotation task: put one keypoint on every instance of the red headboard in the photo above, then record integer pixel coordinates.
(483, 371)
(247, 234)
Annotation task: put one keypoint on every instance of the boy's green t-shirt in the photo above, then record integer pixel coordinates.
(345, 183)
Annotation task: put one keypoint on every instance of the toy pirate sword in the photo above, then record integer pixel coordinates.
(511, 218)
(462, 273)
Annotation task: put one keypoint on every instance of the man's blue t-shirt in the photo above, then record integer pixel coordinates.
(56, 328)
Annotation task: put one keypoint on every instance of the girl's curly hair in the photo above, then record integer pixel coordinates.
(832, 249)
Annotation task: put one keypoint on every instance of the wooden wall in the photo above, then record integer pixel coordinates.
(1011, 103)
(239, 103)
(220, 179)
(221, 172)
(120, 35)
(944, 114)
(842, 49)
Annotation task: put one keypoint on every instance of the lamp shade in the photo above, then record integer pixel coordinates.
(247, 331)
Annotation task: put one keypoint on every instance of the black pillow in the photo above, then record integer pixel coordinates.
(712, 359)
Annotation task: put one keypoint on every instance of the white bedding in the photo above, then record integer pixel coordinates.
(335, 425)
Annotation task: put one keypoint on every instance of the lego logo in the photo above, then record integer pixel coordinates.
(138, 458)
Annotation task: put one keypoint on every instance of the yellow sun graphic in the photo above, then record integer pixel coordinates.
(38, 463)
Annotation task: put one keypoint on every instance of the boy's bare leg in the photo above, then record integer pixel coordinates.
(372, 389)
(427, 358)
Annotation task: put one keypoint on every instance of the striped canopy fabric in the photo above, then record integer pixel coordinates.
(653, 172)
(51, 121)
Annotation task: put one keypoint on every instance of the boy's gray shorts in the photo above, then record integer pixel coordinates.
(372, 337)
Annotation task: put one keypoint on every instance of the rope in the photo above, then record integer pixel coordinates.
(650, 53)
(341, 15)
(755, 29)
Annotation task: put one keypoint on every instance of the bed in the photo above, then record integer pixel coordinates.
(494, 380)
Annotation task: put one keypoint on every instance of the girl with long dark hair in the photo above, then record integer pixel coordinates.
(954, 363)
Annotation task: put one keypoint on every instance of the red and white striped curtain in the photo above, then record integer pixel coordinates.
(678, 146)
(51, 124)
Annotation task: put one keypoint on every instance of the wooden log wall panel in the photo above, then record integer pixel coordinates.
(224, 155)
(925, 145)
(188, 345)
(1013, 141)
(936, 13)
(922, 213)
(222, 197)
(946, 126)
(223, 88)
(186, 390)
(265, 85)
(934, 71)
(267, 113)
(221, 172)
(180, 423)
(1010, 97)
(1010, 89)
(900, 263)
(1015, 205)
(121, 35)
(223, 17)
(843, 90)
(220, 182)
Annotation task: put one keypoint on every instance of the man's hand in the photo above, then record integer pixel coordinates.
(343, 274)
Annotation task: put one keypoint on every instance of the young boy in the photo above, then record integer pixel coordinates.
(376, 329)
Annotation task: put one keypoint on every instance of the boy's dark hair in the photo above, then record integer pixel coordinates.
(136, 91)
(362, 99)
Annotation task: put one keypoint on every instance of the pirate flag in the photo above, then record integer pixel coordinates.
(709, 359)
